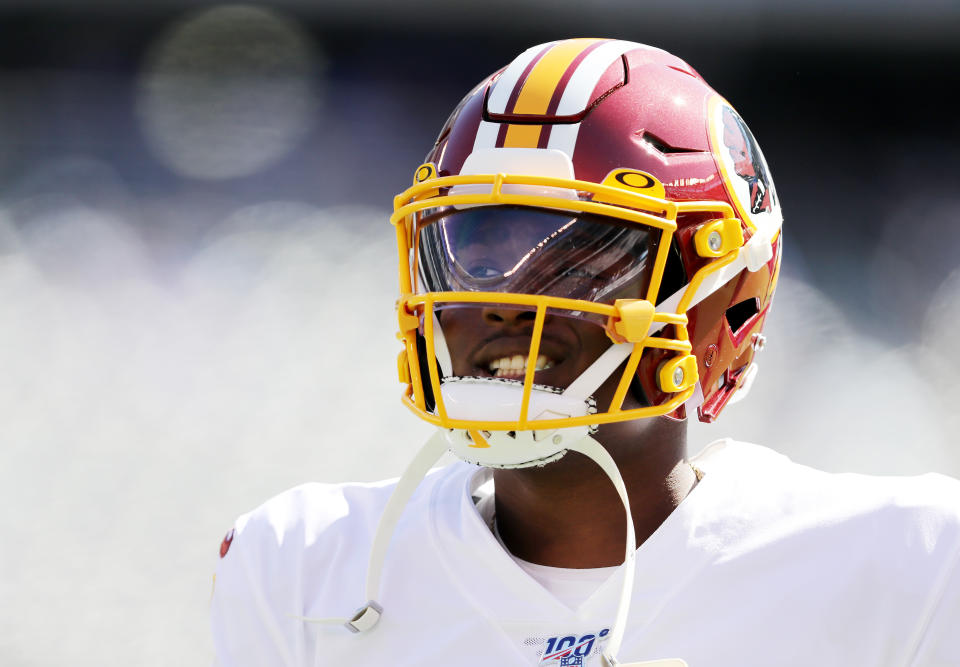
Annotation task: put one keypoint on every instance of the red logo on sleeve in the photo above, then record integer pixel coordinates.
(225, 545)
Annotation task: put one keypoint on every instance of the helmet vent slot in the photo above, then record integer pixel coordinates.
(683, 71)
(662, 145)
(741, 313)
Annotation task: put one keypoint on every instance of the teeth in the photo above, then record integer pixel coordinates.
(516, 365)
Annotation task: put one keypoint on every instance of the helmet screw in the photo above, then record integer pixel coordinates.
(557, 439)
(715, 241)
(678, 376)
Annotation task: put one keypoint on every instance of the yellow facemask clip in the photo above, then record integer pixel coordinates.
(718, 237)
(678, 374)
(634, 182)
(632, 322)
(426, 172)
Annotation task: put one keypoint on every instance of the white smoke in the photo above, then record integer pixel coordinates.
(142, 410)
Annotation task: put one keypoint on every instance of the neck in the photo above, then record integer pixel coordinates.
(542, 511)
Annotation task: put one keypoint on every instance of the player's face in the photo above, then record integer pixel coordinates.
(495, 342)
(531, 251)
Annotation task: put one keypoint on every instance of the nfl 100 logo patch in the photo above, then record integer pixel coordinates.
(568, 650)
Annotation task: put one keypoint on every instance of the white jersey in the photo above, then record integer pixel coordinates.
(765, 562)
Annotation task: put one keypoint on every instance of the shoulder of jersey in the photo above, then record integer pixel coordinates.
(312, 540)
(921, 509)
(316, 517)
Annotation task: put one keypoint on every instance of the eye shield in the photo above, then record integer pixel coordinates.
(524, 250)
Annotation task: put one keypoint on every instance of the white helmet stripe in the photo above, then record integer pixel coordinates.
(577, 93)
(500, 94)
(486, 135)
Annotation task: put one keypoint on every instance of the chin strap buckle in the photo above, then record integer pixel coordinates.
(365, 618)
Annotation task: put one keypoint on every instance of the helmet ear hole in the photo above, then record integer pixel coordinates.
(740, 313)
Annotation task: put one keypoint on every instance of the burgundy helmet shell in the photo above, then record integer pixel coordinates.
(589, 117)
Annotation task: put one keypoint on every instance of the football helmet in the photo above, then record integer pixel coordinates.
(598, 179)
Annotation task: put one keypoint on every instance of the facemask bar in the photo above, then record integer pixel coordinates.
(416, 313)
(422, 308)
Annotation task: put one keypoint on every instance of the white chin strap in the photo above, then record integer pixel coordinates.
(598, 372)
(595, 452)
(367, 616)
(581, 389)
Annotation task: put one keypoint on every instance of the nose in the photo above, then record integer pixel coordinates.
(508, 317)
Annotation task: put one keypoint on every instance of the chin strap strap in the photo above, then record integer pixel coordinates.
(598, 372)
(367, 616)
(595, 451)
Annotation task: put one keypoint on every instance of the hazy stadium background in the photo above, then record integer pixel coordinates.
(197, 275)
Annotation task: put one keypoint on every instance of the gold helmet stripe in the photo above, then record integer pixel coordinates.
(538, 89)
(580, 88)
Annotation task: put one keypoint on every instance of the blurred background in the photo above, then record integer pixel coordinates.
(197, 274)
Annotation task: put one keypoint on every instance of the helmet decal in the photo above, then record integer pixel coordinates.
(744, 167)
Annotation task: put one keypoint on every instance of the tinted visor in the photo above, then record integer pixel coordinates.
(535, 251)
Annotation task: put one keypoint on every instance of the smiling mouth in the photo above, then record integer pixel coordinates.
(515, 366)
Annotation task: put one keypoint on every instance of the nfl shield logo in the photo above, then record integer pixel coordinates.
(572, 661)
